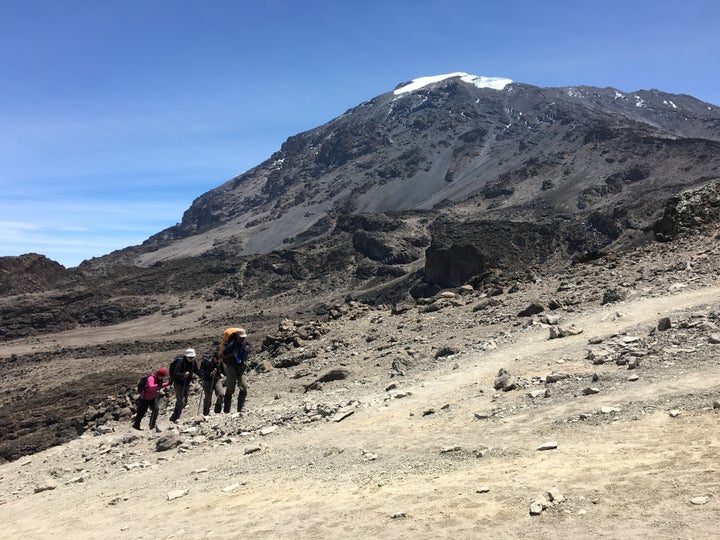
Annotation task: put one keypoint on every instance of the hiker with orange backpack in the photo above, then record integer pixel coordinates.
(234, 351)
(147, 399)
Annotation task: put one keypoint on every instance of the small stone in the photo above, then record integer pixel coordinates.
(609, 410)
(47, 485)
(481, 452)
(482, 489)
(505, 381)
(555, 495)
(664, 324)
(714, 339)
(172, 495)
(398, 515)
(633, 378)
(342, 414)
(538, 505)
(76, 480)
(446, 449)
(231, 487)
(167, 442)
(590, 390)
(698, 501)
(674, 413)
(555, 377)
(550, 445)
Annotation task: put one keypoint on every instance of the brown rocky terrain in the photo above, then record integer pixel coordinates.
(602, 425)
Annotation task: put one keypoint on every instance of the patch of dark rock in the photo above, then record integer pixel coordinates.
(447, 350)
(332, 375)
(614, 295)
(505, 381)
(664, 324)
(55, 416)
(532, 309)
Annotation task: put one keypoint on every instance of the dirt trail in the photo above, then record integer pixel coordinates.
(391, 470)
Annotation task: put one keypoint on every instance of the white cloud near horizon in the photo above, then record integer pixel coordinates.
(70, 232)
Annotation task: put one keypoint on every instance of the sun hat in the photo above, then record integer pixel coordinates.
(162, 372)
(190, 353)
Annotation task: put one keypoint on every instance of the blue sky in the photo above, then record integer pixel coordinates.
(116, 114)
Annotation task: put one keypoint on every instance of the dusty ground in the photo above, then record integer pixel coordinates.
(437, 451)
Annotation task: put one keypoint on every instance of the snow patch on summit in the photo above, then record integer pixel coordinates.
(495, 83)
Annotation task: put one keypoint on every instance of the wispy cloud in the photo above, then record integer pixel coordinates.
(70, 233)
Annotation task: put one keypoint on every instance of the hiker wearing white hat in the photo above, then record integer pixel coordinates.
(182, 370)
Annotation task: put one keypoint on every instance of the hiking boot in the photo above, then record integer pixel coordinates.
(241, 401)
(137, 426)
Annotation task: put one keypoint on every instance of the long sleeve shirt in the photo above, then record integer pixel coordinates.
(153, 385)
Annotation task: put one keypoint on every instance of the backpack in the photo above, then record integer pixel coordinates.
(142, 382)
(206, 366)
(174, 365)
(225, 338)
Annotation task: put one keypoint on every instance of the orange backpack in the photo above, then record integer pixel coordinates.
(226, 337)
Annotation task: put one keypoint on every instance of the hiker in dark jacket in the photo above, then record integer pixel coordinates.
(211, 372)
(147, 400)
(182, 370)
(234, 355)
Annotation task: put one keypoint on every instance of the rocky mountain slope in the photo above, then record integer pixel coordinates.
(598, 157)
(388, 198)
(581, 403)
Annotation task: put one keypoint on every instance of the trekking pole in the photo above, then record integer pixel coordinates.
(156, 409)
(184, 395)
(201, 400)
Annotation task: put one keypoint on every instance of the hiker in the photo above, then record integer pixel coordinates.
(234, 353)
(211, 372)
(147, 399)
(182, 369)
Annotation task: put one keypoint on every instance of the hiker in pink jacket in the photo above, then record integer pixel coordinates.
(148, 395)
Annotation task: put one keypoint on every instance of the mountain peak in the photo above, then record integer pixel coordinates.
(496, 83)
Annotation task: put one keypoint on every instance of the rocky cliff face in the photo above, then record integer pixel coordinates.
(415, 190)
(600, 161)
(30, 273)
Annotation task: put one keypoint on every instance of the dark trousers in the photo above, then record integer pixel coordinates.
(142, 407)
(209, 387)
(181, 394)
(235, 373)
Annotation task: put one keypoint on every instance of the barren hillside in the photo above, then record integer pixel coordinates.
(603, 425)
